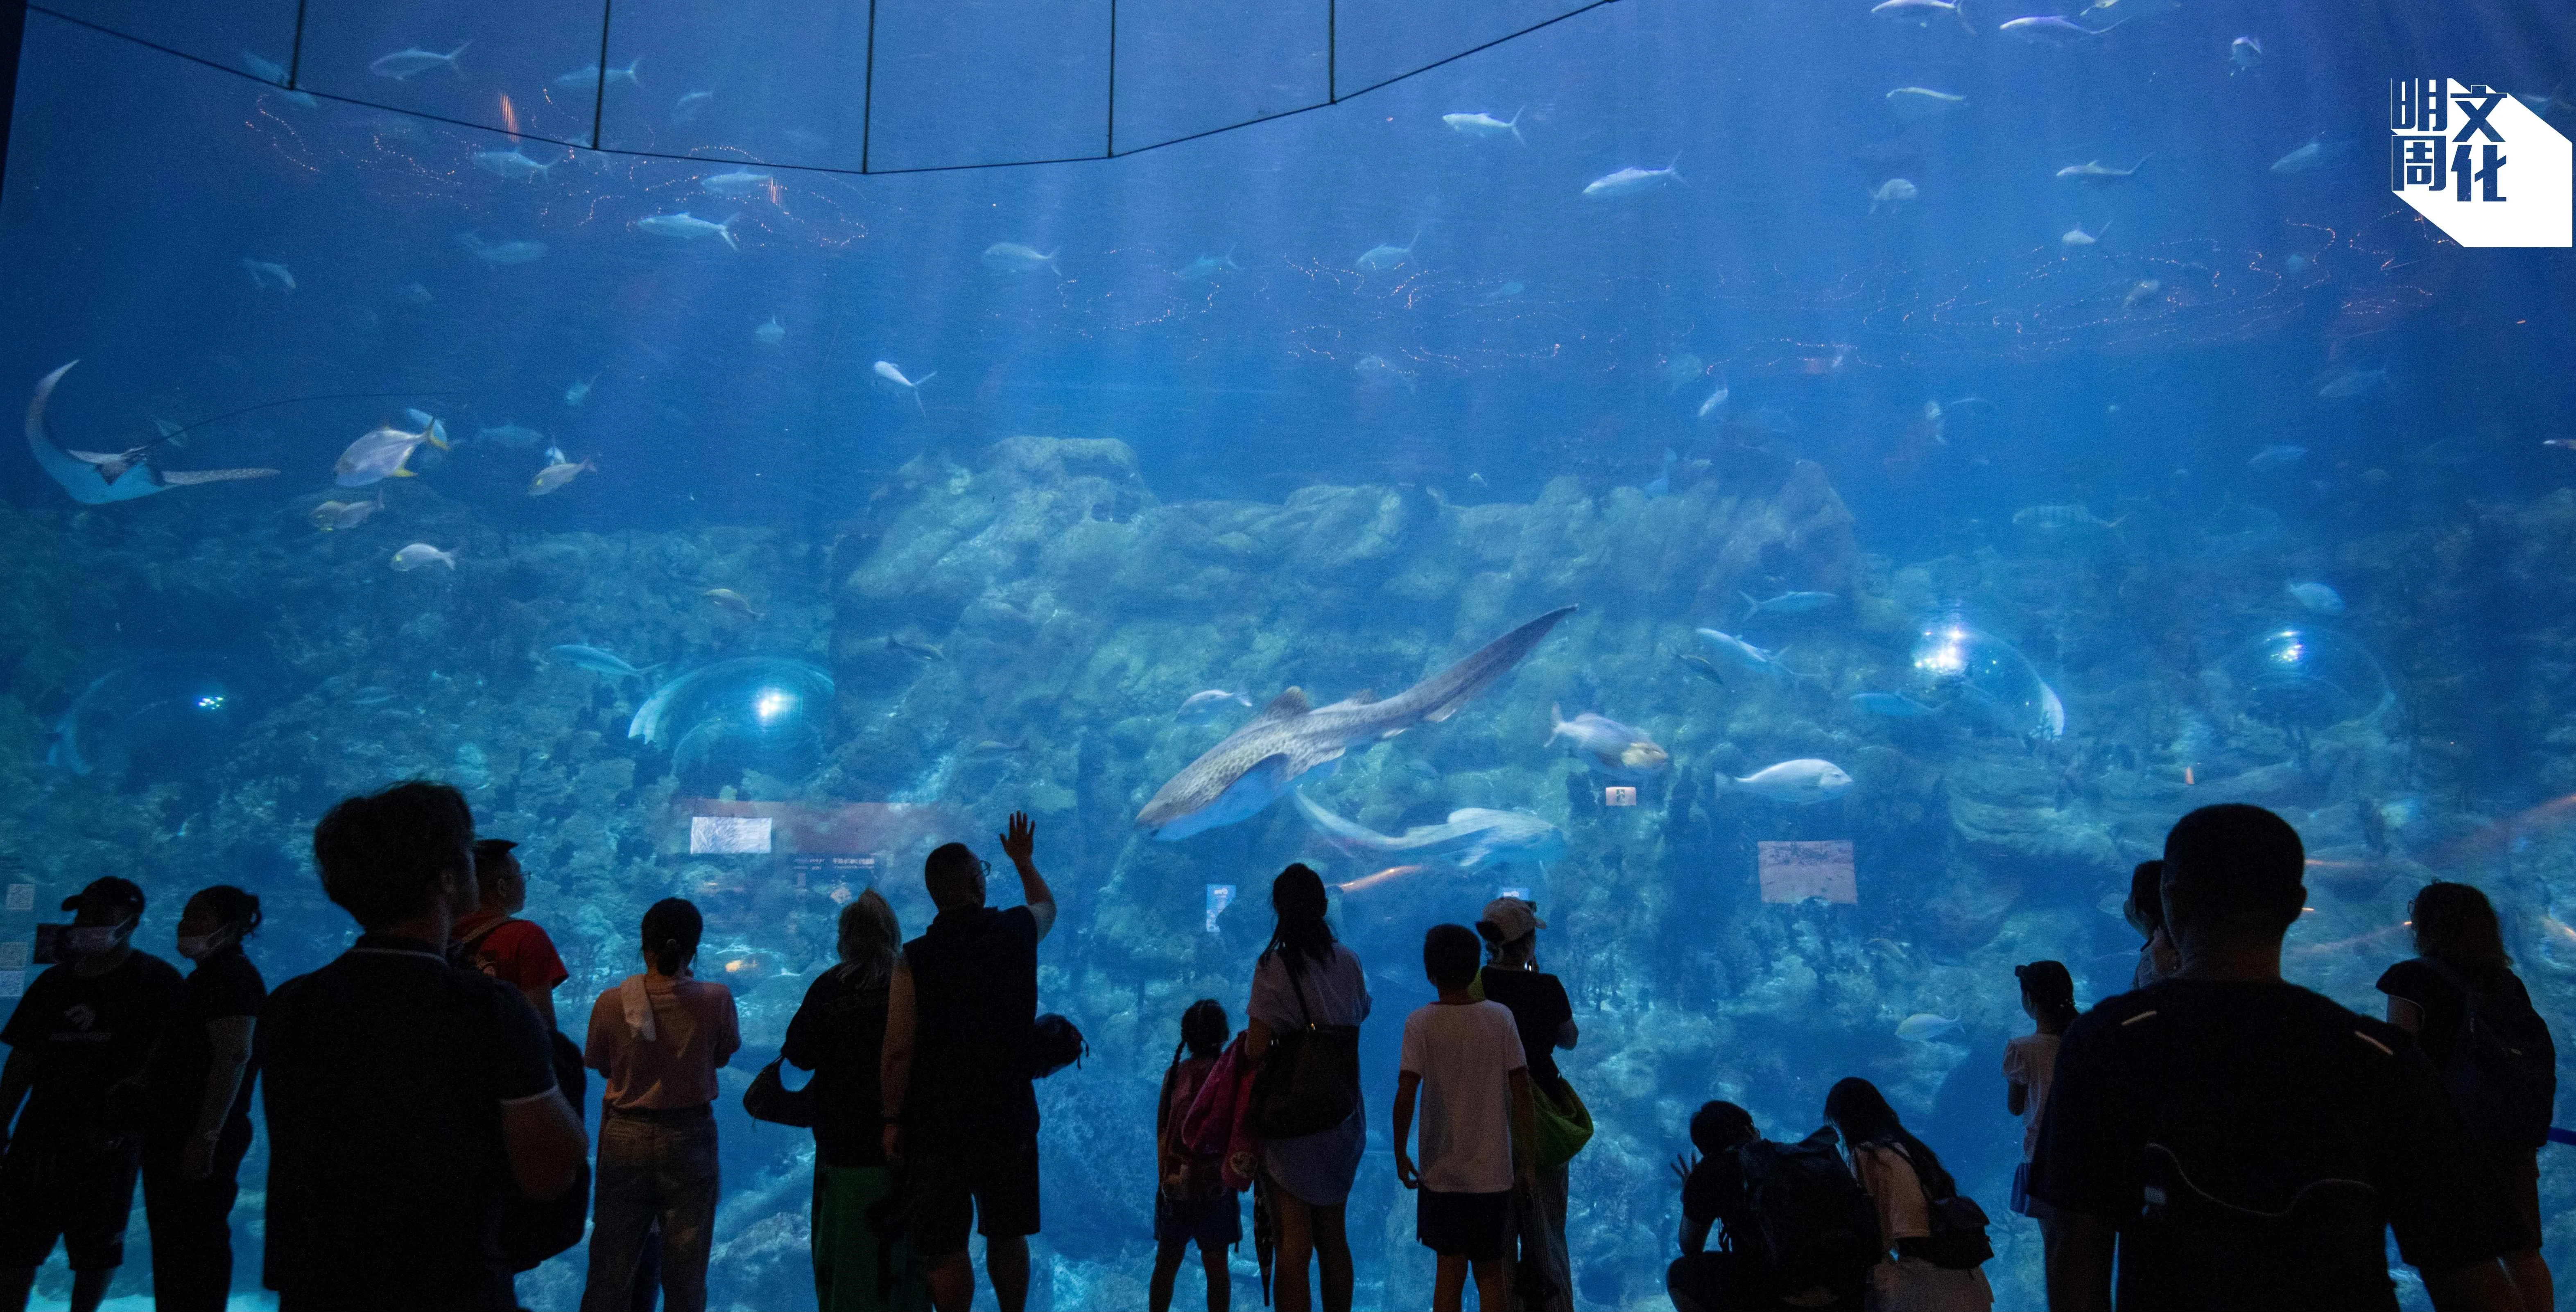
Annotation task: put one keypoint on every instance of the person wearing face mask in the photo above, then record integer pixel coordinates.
(406, 1096)
(199, 1123)
(79, 1044)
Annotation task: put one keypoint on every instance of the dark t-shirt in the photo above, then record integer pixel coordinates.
(223, 985)
(2445, 1007)
(90, 1034)
(1539, 1008)
(975, 1003)
(1714, 1193)
(2258, 1089)
(386, 1075)
(839, 1034)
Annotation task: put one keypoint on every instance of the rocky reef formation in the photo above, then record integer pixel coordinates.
(1016, 630)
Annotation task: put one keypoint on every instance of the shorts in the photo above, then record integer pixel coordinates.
(71, 1191)
(1477, 1227)
(1214, 1223)
(991, 1181)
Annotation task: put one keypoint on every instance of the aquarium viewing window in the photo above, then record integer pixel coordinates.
(1793, 500)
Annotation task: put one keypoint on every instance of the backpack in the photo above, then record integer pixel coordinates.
(1310, 1077)
(1958, 1241)
(533, 1229)
(2503, 1071)
(1055, 1043)
(1813, 1225)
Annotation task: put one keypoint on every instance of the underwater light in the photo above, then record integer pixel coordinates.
(210, 702)
(774, 704)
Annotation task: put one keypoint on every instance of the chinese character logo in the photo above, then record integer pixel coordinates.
(2478, 163)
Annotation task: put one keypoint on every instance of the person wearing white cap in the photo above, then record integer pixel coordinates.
(1545, 1018)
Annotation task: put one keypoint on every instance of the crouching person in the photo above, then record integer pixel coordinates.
(1795, 1230)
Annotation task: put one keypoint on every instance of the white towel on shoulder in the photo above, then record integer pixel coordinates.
(639, 1008)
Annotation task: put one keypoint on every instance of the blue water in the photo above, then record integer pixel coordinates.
(1326, 402)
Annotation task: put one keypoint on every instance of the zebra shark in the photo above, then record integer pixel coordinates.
(1291, 743)
(1473, 836)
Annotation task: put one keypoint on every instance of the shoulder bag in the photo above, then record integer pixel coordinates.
(1310, 1078)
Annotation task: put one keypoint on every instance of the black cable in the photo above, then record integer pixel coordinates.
(295, 53)
(867, 104)
(599, 94)
(1110, 149)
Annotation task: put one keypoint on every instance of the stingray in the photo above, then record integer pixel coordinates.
(96, 478)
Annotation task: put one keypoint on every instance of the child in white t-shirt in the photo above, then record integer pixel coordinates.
(1463, 1062)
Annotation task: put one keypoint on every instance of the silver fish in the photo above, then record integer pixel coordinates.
(596, 659)
(1481, 124)
(419, 554)
(402, 64)
(1802, 782)
(1386, 255)
(513, 164)
(1915, 104)
(1921, 12)
(1892, 193)
(588, 76)
(265, 274)
(1202, 705)
(1290, 743)
(685, 226)
(885, 369)
(771, 333)
(739, 182)
(381, 454)
(497, 254)
(1787, 603)
(1012, 257)
(1609, 747)
(555, 475)
(1631, 180)
(2095, 171)
(1206, 267)
(2244, 52)
(332, 515)
(690, 104)
(1378, 371)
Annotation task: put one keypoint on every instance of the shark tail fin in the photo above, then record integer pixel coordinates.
(1442, 694)
(1514, 123)
(1674, 169)
(725, 230)
(450, 57)
(1751, 607)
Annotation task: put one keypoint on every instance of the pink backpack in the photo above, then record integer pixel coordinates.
(1218, 1123)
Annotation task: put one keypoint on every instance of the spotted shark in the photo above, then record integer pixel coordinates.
(1290, 743)
(95, 478)
(1471, 837)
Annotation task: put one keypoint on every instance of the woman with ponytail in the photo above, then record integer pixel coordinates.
(657, 1039)
(2030, 1066)
(1307, 978)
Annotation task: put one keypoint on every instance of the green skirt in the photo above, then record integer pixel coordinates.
(862, 1262)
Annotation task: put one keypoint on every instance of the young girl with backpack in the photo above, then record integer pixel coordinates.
(1938, 1233)
(1192, 1202)
(2030, 1066)
(2460, 999)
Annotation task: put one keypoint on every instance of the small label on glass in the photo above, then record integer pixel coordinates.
(1219, 897)
(728, 835)
(1618, 795)
(22, 897)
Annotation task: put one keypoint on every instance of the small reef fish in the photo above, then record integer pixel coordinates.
(1802, 782)
(1892, 193)
(1387, 255)
(2059, 519)
(685, 226)
(1716, 399)
(2316, 597)
(1012, 257)
(402, 64)
(344, 514)
(1201, 705)
(588, 76)
(509, 435)
(1703, 667)
(771, 333)
(1291, 743)
(265, 274)
(730, 601)
(1608, 746)
(1923, 1027)
(579, 390)
(555, 475)
(920, 651)
(1787, 603)
(1892, 705)
(1915, 104)
(2076, 238)
(1742, 655)
(598, 660)
(1380, 372)
(1631, 180)
(1470, 837)
(420, 554)
(1206, 267)
(2245, 53)
(1386, 876)
(690, 104)
(498, 254)
(885, 369)
(2354, 382)
(381, 454)
(2277, 456)
(513, 164)
(2094, 171)
(1481, 124)
(2049, 29)
(2308, 157)
(740, 182)
(1921, 12)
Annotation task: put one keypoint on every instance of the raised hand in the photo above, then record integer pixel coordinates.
(1020, 839)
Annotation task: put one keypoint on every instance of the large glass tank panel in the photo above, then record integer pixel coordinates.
(1961, 454)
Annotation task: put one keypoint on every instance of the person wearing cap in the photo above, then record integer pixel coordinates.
(79, 1043)
(495, 941)
(1545, 1019)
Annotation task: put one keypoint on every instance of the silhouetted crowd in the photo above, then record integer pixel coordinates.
(2215, 1138)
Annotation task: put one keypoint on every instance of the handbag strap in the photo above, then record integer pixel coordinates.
(1289, 965)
